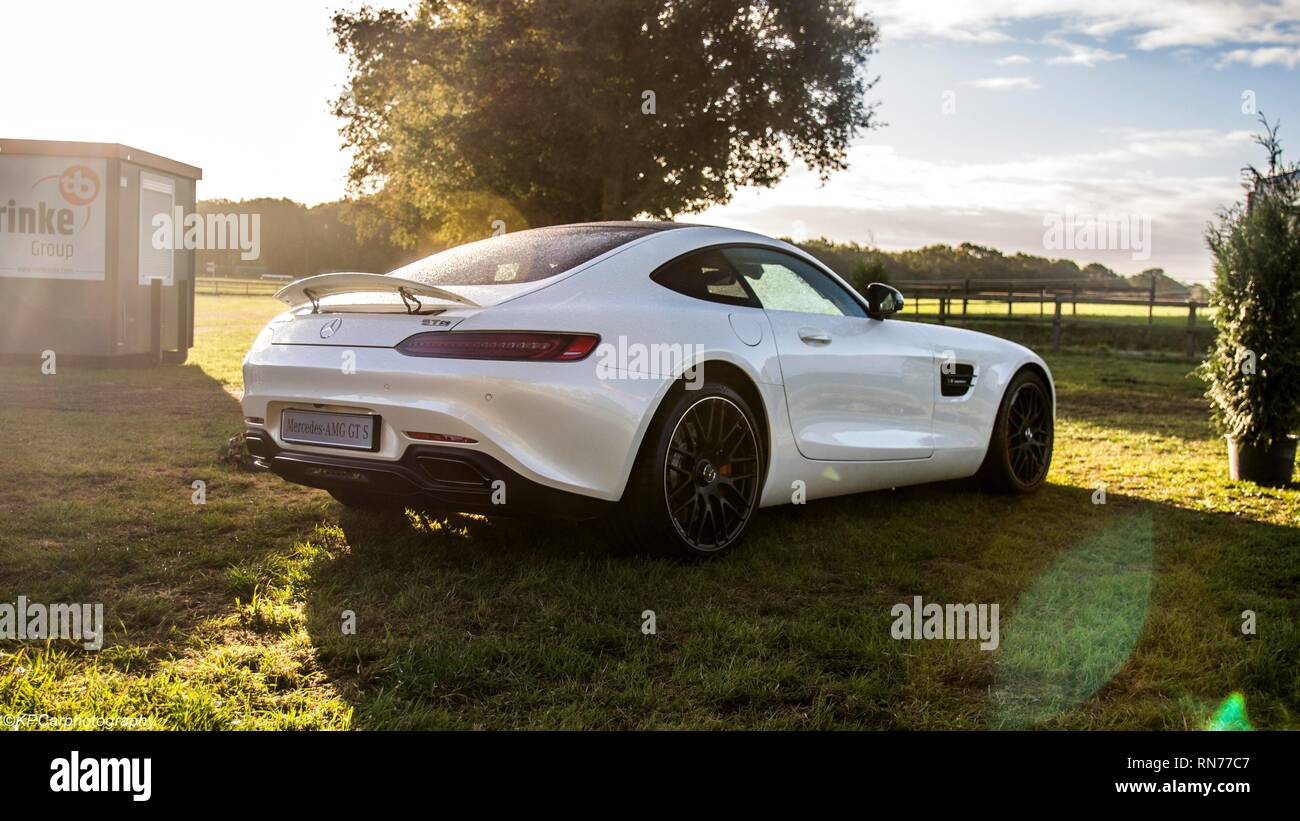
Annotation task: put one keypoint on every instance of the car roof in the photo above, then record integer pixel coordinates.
(649, 225)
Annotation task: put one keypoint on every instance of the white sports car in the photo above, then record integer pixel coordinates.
(677, 377)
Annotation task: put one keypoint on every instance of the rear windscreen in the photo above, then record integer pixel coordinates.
(526, 256)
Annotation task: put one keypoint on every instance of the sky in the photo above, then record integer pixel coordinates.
(1007, 123)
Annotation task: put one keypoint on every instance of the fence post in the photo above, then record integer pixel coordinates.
(1056, 326)
(965, 298)
(1042, 300)
(1191, 329)
(1010, 293)
(1074, 305)
(943, 304)
(1151, 302)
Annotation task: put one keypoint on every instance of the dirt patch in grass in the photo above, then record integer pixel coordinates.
(1179, 415)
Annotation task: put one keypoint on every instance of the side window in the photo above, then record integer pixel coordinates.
(787, 283)
(706, 275)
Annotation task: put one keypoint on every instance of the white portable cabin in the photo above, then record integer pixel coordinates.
(80, 273)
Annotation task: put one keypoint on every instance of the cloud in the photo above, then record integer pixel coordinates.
(1002, 83)
(1140, 144)
(1152, 24)
(1014, 60)
(1260, 57)
(897, 200)
(1080, 55)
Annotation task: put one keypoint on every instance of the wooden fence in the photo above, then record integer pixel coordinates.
(223, 286)
(953, 299)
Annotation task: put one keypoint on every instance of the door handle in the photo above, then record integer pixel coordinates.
(814, 337)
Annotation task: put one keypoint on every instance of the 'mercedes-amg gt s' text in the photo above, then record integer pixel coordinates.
(676, 377)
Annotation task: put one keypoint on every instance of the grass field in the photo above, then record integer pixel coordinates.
(228, 615)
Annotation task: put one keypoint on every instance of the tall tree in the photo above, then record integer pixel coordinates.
(534, 113)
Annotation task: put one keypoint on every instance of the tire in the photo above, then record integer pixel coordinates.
(696, 481)
(1020, 447)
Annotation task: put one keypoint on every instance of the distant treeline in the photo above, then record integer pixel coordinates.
(861, 264)
(298, 241)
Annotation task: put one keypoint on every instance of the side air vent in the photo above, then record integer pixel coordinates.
(959, 381)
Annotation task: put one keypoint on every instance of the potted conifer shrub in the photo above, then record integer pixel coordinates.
(1253, 371)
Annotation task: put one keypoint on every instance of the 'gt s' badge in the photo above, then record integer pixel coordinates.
(327, 330)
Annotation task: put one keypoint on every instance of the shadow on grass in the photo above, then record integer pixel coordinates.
(1118, 615)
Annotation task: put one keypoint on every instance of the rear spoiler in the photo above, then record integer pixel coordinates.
(313, 289)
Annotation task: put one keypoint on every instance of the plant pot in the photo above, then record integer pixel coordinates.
(1263, 466)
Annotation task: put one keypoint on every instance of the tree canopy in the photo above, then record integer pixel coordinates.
(460, 114)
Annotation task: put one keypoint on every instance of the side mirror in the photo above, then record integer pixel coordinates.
(883, 300)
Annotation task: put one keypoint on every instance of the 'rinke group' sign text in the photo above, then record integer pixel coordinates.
(51, 217)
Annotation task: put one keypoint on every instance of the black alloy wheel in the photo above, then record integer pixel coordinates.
(711, 473)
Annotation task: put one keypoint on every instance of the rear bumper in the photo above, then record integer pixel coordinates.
(427, 475)
(556, 423)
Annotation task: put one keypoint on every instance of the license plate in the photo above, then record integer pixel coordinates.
(353, 431)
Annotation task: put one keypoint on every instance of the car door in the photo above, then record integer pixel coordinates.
(858, 389)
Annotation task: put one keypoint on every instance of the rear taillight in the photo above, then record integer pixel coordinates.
(518, 345)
